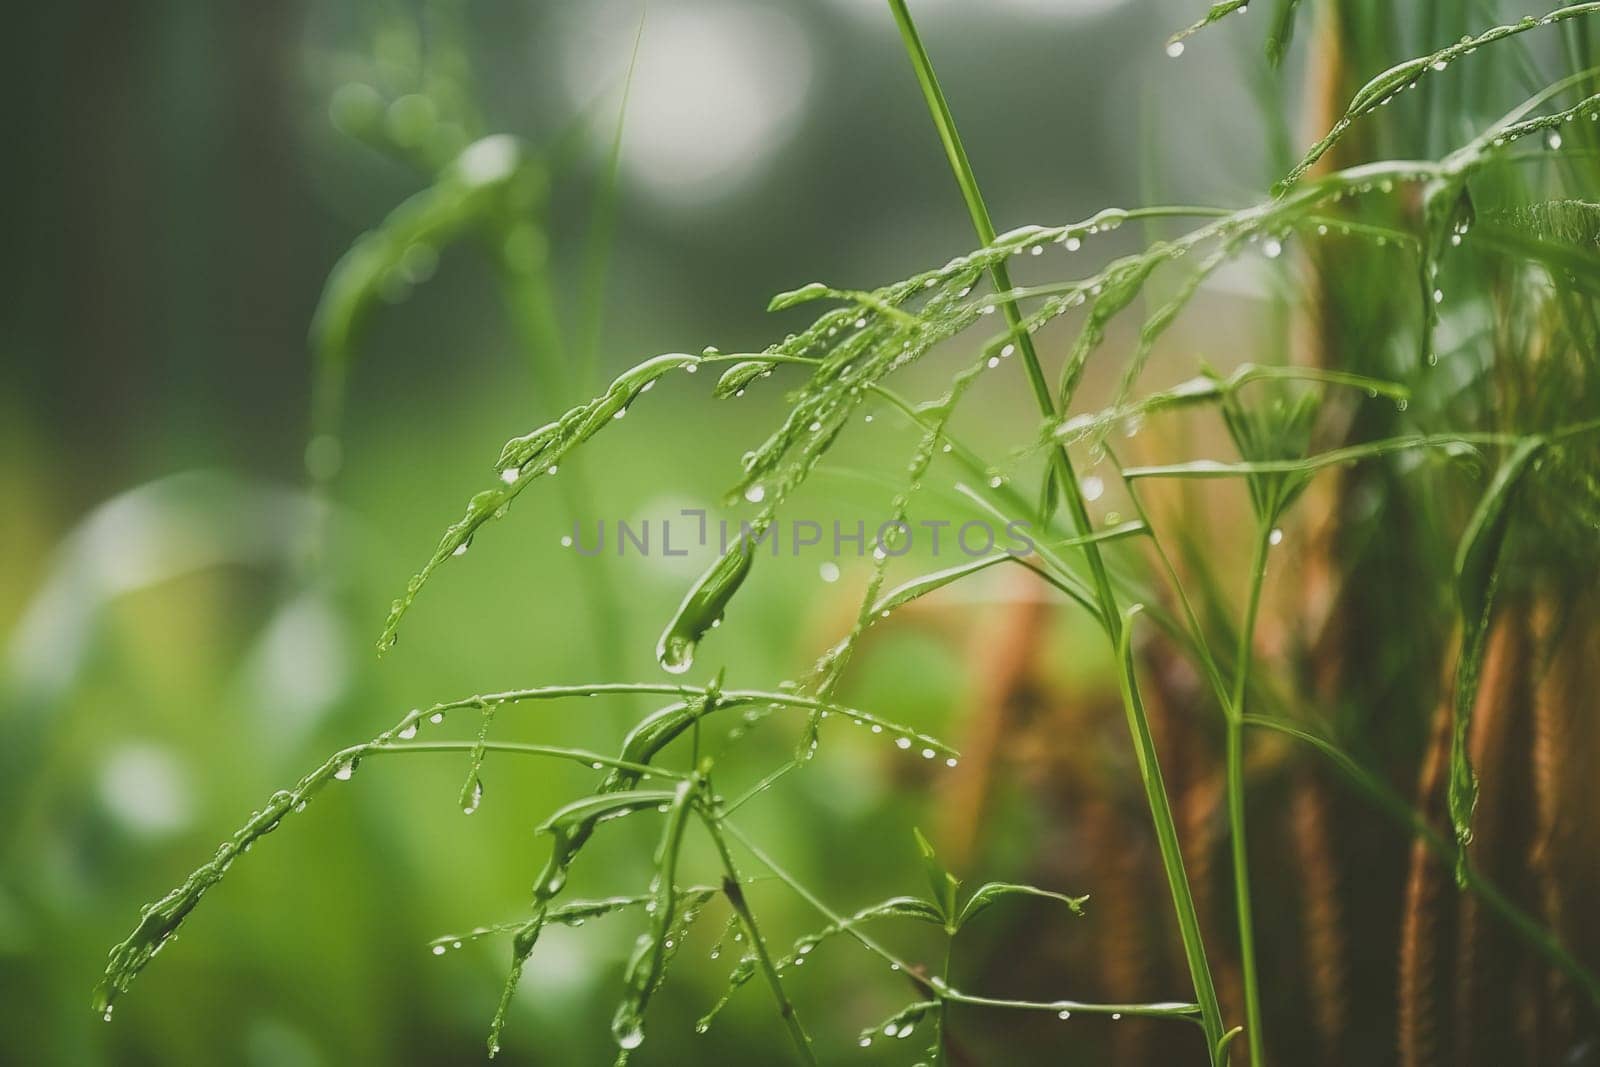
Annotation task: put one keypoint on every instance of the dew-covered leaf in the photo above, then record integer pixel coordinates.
(704, 605)
(902, 1024)
(1477, 571)
(529, 457)
(648, 963)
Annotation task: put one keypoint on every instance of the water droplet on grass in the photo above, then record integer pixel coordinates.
(474, 796)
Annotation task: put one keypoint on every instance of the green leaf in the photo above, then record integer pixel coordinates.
(1477, 570)
(991, 892)
(648, 963)
(530, 457)
(704, 606)
(942, 882)
(1217, 12)
(1282, 31)
(736, 378)
(899, 1025)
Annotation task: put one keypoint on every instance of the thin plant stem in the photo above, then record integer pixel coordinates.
(516, 748)
(942, 1009)
(1236, 796)
(733, 889)
(1166, 830)
(1061, 462)
(602, 230)
(1071, 493)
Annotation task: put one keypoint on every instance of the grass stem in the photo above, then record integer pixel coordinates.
(1072, 495)
(733, 889)
(1236, 797)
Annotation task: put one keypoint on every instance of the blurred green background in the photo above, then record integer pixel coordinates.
(177, 640)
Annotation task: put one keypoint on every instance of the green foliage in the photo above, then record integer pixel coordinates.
(851, 354)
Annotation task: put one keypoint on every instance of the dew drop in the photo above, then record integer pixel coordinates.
(1063, 1014)
(865, 1041)
(902, 742)
(438, 950)
(755, 494)
(1174, 49)
(436, 718)
(1275, 537)
(1093, 487)
(566, 541)
(951, 762)
(1552, 140)
(927, 753)
(829, 571)
(509, 475)
(346, 770)
(408, 731)
(1116, 1015)
(461, 549)
(994, 361)
(1272, 248)
(474, 797)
